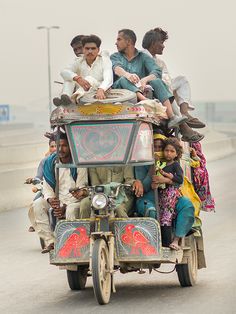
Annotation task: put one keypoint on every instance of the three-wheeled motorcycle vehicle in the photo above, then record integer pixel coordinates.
(114, 134)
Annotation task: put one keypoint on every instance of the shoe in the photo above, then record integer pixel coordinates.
(48, 248)
(57, 101)
(196, 137)
(31, 229)
(176, 121)
(66, 100)
(195, 123)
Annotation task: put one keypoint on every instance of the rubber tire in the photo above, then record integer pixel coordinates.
(117, 95)
(102, 292)
(77, 279)
(42, 243)
(187, 273)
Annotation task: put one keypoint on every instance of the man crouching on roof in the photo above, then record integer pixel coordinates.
(90, 72)
(67, 204)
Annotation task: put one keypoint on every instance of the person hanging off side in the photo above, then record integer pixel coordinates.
(172, 176)
(177, 207)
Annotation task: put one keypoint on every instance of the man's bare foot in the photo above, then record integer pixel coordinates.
(175, 244)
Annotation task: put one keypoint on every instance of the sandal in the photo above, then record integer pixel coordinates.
(196, 137)
(48, 248)
(195, 123)
(57, 101)
(31, 229)
(66, 100)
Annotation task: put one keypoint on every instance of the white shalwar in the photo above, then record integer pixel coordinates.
(41, 205)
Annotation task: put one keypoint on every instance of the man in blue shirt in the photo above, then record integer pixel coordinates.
(134, 69)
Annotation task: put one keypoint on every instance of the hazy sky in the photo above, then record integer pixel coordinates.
(201, 45)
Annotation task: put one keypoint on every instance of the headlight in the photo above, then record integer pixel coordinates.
(99, 201)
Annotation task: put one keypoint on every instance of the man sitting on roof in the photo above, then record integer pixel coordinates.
(91, 71)
(153, 44)
(178, 85)
(133, 70)
(77, 46)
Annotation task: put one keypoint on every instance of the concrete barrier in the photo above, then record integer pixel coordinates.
(22, 153)
(13, 192)
(21, 148)
(219, 149)
(217, 145)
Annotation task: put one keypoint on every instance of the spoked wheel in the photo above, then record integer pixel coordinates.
(187, 273)
(77, 279)
(100, 272)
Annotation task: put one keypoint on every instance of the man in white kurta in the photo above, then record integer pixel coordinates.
(67, 204)
(66, 182)
(90, 72)
(178, 85)
(153, 45)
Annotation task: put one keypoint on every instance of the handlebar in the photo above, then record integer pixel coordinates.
(92, 188)
(76, 189)
(119, 187)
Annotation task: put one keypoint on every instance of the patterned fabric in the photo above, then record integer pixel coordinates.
(187, 190)
(159, 165)
(167, 200)
(201, 181)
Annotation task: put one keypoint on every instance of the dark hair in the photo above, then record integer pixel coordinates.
(173, 141)
(129, 34)
(91, 39)
(63, 136)
(163, 34)
(76, 40)
(52, 139)
(149, 38)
